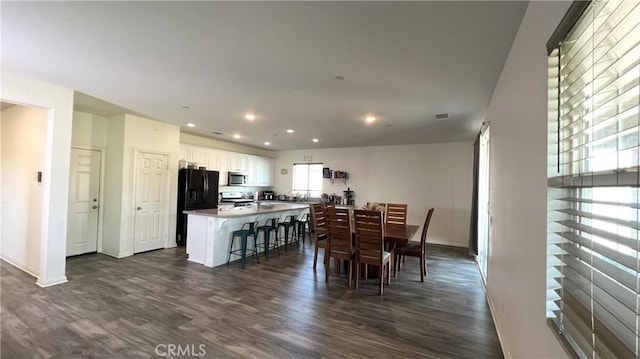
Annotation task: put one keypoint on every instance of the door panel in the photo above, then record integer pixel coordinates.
(151, 188)
(84, 194)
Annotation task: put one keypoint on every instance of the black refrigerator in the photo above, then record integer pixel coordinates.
(197, 189)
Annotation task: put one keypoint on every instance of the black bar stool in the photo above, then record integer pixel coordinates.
(270, 225)
(247, 229)
(301, 227)
(289, 223)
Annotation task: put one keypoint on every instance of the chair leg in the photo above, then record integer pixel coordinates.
(243, 249)
(350, 273)
(381, 279)
(357, 274)
(265, 237)
(315, 257)
(255, 247)
(389, 272)
(230, 249)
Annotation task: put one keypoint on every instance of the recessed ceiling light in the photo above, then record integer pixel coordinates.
(186, 107)
(191, 124)
(290, 131)
(315, 140)
(339, 78)
(370, 119)
(267, 143)
(217, 133)
(250, 116)
(236, 136)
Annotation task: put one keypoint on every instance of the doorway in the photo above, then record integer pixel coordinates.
(484, 215)
(84, 201)
(151, 202)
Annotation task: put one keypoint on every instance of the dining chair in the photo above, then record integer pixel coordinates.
(413, 249)
(319, 216)
(396, 213)
(339, 242)
(369, 233)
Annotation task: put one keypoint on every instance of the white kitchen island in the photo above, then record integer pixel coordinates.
(209, 230)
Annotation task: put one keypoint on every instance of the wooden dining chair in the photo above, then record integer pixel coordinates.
(413, 249)
(370, 245)
(319, 217)
(339, 242)
(396, 213)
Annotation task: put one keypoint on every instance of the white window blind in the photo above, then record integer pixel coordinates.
(307, 179)
(593, 262)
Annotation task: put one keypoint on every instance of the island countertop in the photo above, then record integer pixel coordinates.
(247, 210)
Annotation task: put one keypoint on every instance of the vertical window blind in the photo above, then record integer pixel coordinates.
(593, 282)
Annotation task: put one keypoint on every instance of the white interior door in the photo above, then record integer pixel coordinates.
(84, 206)
(151, 202)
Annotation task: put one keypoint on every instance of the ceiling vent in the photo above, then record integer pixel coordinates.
(441, 117)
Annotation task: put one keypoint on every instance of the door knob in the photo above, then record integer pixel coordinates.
(139, 208)
(95, 207)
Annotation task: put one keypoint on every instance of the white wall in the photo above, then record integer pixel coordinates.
(423, 176)
(89, 130)
(113, 193)
(58, 102)
(516, 275)
(22, 156)
(127, 134)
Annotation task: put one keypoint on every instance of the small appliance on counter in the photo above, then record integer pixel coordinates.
(237, 198)
(268, 195)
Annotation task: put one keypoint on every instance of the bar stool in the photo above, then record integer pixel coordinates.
(301, 227)
(247, 229)
(270, 225)
(288, 223)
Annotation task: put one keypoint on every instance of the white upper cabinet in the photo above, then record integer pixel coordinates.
(259, 169)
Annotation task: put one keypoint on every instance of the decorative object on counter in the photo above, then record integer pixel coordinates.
(375, 206)
(348, 197)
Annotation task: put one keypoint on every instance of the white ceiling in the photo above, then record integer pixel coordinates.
(402, 62)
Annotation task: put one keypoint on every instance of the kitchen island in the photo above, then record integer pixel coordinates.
(209, 230)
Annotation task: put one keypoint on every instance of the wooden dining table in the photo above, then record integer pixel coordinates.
(395, 234)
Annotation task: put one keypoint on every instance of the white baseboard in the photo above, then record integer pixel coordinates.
(52, 282)
(29, 270)
(506, 352)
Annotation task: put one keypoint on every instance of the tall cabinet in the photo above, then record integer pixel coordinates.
(259, 169)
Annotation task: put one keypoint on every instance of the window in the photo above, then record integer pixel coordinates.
(307, 180)
(593, 263)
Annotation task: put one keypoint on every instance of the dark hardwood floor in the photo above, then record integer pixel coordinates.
(136, 307)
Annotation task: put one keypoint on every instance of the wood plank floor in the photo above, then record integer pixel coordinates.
(125, 308)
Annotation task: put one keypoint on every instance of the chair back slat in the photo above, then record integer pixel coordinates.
(339, 230)
(369, 236)
(319, 216)
(396, 213)
(423, 238)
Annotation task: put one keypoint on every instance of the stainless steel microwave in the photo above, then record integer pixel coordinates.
(237, 179)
